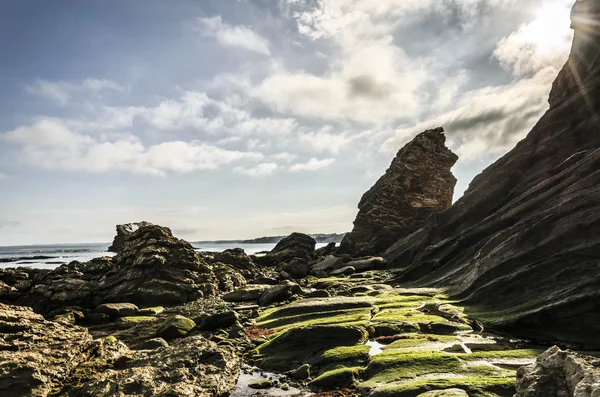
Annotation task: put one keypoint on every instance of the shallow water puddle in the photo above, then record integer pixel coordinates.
(248, 376)
(376, 347)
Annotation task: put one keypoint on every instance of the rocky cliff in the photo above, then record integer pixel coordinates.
(123, 231)
(417, 184)
(522, 247)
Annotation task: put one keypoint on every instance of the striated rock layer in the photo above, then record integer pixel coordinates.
(417, 184)
(123, 231)
(522, 247)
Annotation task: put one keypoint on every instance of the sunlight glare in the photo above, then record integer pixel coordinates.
(550, 32)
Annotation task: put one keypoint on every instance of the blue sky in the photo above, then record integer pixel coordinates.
(243, 118)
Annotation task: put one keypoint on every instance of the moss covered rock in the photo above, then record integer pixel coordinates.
(175, 327)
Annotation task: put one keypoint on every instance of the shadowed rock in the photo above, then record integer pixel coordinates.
(523, 243)
(123, 231)
(417, 184)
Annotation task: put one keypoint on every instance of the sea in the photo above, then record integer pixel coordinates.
(52, 256)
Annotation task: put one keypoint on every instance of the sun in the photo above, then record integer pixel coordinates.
(550, 31)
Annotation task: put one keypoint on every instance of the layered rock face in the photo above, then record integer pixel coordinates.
(522, 246)
(291, 255)
(152, 268)
(123, 231)
(418, 184)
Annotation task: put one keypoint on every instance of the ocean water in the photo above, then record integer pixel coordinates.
(51, 256)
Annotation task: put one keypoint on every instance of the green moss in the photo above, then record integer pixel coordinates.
(417, 340)
(337, 378)
(503, 354)
(395, 365)
(151, 311)
(136, 319)
(261, 384)
(312, 306)
(342, 317)
(395, 328)
(474, 386)
(345, 353)
(110, 340)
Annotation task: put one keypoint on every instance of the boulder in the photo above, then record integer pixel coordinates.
(364, 264)
(37, 356)
(279, 293)
(417, 184)
(217, 321)
(329, 249)
(151, 344)
(237, 259)
(249, 293)
(123, 231)
(295, 247)
(175, 327)
(118, 309)
(327, 264)
(344, 271)
(560, 373)
(522, 244)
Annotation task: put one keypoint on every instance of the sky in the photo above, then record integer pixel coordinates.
(227, 119)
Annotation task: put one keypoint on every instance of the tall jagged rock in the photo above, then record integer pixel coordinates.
(123, 231)
(522, 246)
(417, 184)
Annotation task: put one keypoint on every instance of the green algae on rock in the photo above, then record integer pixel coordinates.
(175, 327)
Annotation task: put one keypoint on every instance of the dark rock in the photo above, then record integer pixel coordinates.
(328, 264)
(249, 293)
(560, 373)
(417, 184)
(95, 319)
(344, 271)
(329, 249)
(228, 278)
(151, 344)
(301, 373)
(297, 248)
(296, 268)
(261, 384)
(175, 327)
(237, 259)
(279, 293)
(523, 243)
(217, 321)
(118, 309)
(364, 264)
(123, 231)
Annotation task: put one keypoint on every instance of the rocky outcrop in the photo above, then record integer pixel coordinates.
(37, 356)
(418, 183)
(123, 231)
(152, 268)
(522, 245)
(292, 255)
(560, 373)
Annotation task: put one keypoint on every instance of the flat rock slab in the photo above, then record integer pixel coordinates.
(117, 309)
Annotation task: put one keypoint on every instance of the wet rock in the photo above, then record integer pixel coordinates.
(151, 311)
(123, 231)
(217, 321)
(301, 373)
(336, 379)
(344, 271)
(417, 184)
(560, 373)
(261, 384)
(191, 366)
(151, 344)
(117, 309)
(175, 327)
(36, 355)
(249, 293)
(296, 247)
(279, 293)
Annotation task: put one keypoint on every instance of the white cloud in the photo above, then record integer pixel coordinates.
(262, 169)
(234, 36)
(312, 165)
(325, 140)
(3, 176)
(62, 92)
(51, 145)
(285, 156)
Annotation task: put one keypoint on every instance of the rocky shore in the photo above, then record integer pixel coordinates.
(496, 295)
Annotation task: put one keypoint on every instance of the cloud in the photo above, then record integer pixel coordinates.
(3, 176)
(312, 165)
(285, 156)
(262, 169)
(234, 36)
(51, 145)
(62, 92)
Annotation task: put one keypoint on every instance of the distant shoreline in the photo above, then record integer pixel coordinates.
(319, 238)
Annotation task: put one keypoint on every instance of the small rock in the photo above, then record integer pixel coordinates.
(217, 321)
(151, 311)
(248, 293)
(261, 384)
(279, 293)
(320, 293)
(301, 373)
(328, 264)
(175, 327)
(117, 309)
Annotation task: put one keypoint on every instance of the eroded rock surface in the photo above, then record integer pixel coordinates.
(417, 184)
(123, 231)
(560, 373)
(291, 255)
(522, 244)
